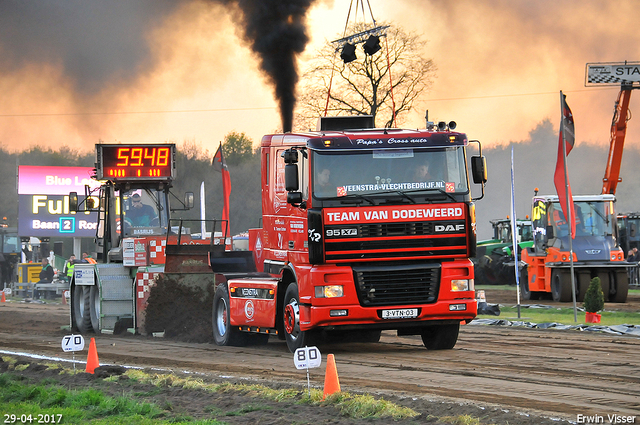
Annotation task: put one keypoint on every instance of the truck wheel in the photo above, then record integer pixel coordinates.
(583, 279)
(622, 288)
(370, 336)
(441, 337)
(291, 316)
(223, 332)
(560, 286)
(479, 276)
(94, 308)
(525, 292)
(81, 303)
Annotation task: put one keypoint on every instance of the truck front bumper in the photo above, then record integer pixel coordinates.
(391, 317)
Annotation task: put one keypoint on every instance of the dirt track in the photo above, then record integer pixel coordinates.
(560, 373)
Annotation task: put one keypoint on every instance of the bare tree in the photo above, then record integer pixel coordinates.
(364, 85)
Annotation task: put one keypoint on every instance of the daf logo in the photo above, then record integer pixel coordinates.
(593, 251)
(449, 228)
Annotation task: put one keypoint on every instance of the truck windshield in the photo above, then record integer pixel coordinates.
(144, 212)
(371, 172)
(592, 219)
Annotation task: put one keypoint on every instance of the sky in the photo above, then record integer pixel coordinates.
(76, 72)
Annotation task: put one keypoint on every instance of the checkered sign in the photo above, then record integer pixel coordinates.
(613, 73)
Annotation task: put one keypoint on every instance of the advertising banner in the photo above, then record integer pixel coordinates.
(43, 201)
(45, 180)
(49, 216)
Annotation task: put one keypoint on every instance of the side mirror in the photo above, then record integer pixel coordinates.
(479, 169)
(291, 177)
(294, 198)
(73, 201)
(188, 200)
(92, 203)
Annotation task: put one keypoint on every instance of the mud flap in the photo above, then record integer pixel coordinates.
(253, 303)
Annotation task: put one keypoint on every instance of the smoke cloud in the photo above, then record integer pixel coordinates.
(95, 44)
(276, 31)
(75, 64)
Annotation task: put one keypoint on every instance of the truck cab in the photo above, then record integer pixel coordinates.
(363, 230)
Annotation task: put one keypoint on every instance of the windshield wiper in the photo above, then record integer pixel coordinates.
(405, 193)
(155, 200)
(353, 198)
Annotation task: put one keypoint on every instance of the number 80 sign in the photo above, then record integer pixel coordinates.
(307, 358)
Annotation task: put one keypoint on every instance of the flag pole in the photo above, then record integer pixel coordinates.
(568, 209)
(514, 234)
(203, 215)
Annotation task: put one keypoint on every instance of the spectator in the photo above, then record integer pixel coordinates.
(86, 258)
(68, 267)
(633, 257)
(46, 276)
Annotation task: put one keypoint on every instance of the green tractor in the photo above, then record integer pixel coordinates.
(494, 262)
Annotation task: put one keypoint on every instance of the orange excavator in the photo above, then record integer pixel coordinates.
(596, 247)
(627, 223)
(616, 145)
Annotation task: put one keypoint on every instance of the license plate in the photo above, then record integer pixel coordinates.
(406, 313)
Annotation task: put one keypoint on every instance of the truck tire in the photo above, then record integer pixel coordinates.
(478, 275)
(223, 332)
(621, 288)
(94, 308)
(560, 286)
(81, 303)
(606, 282)
(525, 292)
(440, 337)
(583, 279)
(291, 317)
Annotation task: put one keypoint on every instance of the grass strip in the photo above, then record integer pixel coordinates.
(355, 406)
(563, 315)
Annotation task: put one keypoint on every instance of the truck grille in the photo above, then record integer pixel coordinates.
(410, 240)
(397, 285)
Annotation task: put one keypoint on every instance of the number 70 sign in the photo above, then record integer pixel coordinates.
(72, 343)
(307, 358)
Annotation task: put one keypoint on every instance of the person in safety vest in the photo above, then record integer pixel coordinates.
(68, 267)
(561, 223)
(87, 258)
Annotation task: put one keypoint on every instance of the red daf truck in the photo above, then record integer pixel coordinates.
(363, 230)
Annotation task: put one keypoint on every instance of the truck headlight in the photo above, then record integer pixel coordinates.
(458, 285)
(330, 291)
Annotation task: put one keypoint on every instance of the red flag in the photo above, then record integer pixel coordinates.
(220, 165)
(561, 177)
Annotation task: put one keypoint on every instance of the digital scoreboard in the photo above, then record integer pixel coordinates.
(141, 162)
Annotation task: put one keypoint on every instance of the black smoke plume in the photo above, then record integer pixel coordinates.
(100, 44)
(275, 30)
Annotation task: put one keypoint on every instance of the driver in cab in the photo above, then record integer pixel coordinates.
(140, 214)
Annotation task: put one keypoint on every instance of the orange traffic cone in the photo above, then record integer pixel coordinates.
(331, 381)
(4, 299)
(92, 359)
